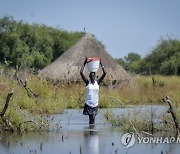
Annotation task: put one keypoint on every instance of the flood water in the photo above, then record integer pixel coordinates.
(70, 133)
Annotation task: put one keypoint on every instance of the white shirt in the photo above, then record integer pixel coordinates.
(92, 94)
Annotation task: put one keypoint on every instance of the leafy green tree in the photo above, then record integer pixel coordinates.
(132, 57)
(123, 63)
(131, 62)
(32, 45)
(171, 66)
(163, 59)
(135, 67)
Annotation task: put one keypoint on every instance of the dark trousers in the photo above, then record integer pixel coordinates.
(92, 119)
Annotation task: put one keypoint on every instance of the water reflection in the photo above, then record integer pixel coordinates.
(91, 139)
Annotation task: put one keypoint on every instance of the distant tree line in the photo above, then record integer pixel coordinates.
(164, 59)
(37, 45)
(32, 46)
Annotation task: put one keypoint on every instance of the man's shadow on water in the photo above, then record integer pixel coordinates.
(91, 139)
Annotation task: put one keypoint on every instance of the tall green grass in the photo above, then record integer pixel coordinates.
(149, 90)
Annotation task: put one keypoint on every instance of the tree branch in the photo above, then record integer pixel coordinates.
(6, 104)
(167, 100)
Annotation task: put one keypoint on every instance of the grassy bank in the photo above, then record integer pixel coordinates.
(145, 90)
(47, 98)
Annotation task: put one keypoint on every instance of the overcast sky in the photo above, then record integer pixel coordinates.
(123, 26)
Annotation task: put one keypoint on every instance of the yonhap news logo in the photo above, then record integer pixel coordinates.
(128, 140)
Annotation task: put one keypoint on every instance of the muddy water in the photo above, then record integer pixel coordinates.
(70, 133)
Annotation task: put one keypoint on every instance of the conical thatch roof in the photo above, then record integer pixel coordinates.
(66, 68)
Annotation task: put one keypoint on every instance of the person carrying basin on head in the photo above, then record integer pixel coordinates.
(92, 91)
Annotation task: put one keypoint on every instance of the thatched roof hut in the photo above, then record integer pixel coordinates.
(66, 68)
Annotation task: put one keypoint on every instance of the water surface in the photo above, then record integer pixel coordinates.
(75, 136)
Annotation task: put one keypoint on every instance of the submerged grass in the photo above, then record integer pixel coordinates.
(124, 121)
(148, 121)
(54, 98)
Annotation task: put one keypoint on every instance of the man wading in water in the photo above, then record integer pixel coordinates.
(92, 93)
